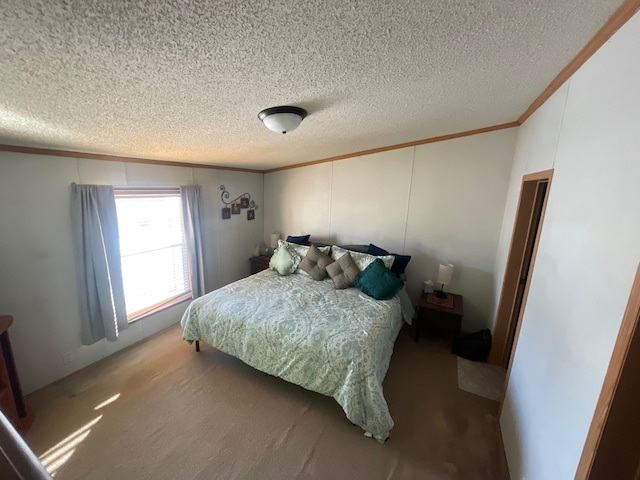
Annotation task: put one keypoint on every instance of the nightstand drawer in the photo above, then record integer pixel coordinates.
(440, 320)
(439, 317)
(259, 263)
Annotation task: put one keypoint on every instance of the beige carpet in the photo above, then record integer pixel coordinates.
(481, 378)
(158, 410)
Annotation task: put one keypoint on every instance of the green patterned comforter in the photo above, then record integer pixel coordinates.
(335, 342)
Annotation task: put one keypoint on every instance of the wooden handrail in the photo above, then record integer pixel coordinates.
(24, 462)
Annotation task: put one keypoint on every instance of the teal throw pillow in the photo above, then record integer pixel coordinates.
(378, 282)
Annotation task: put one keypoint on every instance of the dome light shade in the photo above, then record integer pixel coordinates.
(282, 119)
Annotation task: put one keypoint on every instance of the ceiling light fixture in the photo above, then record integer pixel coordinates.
(282, 119)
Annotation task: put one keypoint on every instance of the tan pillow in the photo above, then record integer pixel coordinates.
(301, 250)
(315, 263)
(343, 271)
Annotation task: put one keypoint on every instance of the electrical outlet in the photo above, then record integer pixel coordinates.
(68, 358)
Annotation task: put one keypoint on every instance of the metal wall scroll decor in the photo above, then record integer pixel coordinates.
(235, 206)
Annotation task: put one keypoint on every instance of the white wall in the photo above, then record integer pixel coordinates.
(441, 202)
(587, 257)
(298, 200)
(37, 276)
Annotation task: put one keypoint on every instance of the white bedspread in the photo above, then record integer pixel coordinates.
(335, 342)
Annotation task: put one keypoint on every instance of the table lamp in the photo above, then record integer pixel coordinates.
(274, 240)
(445, 272)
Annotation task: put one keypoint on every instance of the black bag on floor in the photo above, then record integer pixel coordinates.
(475, 346)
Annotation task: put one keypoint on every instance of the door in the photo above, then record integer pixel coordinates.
(612, 448)
(520, 262)
(525, 270)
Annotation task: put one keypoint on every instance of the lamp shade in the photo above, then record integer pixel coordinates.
(282, 119)
(445, 272)
(274, 239)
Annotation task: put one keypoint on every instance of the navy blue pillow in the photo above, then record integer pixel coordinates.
(399, 264)
(377, 251)
(301, 240)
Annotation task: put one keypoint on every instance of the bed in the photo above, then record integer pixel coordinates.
(334, 342)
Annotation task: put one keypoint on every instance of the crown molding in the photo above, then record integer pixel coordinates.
(441, 138)
(116, 158)
(621, 16)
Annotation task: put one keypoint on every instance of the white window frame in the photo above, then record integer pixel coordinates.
(127, 192)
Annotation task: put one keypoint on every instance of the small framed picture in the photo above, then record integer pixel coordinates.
(226, 213)
(244, 202)
(251, 214)
(235, 209)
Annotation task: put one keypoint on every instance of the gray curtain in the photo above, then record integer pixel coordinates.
(193, 226)
(99, 271)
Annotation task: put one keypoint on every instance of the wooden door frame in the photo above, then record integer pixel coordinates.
(611, 379)
(504, 317)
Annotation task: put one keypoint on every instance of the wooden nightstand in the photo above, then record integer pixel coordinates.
(12, 401)
(259, 263)
(441, 317)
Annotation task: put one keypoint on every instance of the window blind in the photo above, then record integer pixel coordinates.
(152, 248)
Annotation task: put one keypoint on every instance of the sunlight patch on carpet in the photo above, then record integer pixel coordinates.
(57, 456)
(107, 402)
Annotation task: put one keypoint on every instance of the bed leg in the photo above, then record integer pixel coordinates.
(197, 346)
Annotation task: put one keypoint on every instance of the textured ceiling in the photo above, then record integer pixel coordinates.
(185, 79)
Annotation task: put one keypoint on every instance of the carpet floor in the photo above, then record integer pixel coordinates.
(158, 410)
(481, 378)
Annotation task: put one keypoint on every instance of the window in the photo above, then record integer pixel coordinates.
(152, 248)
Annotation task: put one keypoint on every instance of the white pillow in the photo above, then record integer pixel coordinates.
(301, 250)
(363, 260)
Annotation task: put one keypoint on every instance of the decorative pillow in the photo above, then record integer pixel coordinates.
(284, 261)
(343, 271)
(378, 282)
(377, 251)
(301, 250)
(362, 259)
(301, 240)
(400, 262)
(315, 263)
